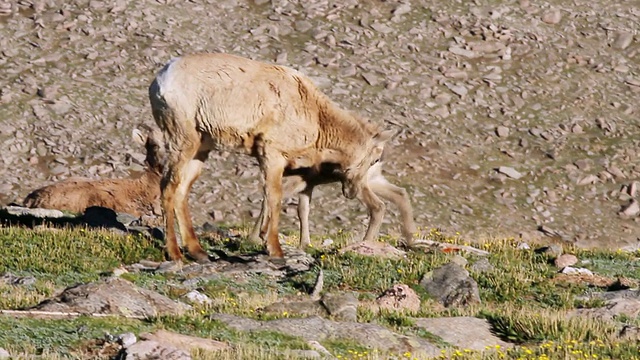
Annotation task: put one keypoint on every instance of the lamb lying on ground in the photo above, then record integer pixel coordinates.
(138, 196)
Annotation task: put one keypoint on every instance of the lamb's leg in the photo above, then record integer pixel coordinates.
(400, 198)
(376, 210)
(291, 185)
(189, 174)
(304, 202)
(259, 230)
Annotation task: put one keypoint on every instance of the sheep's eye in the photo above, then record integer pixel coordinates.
(375, 162)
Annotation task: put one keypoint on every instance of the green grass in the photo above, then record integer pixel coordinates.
(520, 298)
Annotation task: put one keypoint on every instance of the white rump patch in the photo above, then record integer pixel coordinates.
(165, 75)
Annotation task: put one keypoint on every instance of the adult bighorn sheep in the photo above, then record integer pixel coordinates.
(205, 102)
(303, 181)
(137, 196)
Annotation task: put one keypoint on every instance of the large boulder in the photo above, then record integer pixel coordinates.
(451, 285)
(113, 296)
(319, 329)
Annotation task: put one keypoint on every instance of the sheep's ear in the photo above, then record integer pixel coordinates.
(139, 137)
(385, 135)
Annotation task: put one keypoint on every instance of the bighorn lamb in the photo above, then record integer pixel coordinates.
(205, 102)
(303, 181)
(137, 196)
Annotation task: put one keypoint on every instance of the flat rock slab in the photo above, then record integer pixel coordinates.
(185, 342)
(113, 296)
(295, 261)
(319, 329)
(342, 306)
(152, 350)
(464, 332)
(374, 248)
(612, 309)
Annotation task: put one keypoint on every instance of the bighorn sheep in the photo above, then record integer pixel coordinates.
(137, 196)
(303, 181)
(205, 102)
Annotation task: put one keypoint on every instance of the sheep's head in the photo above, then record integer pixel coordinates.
(356, 164)
(153, 141)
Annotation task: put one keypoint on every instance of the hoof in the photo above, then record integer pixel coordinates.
(201, 257)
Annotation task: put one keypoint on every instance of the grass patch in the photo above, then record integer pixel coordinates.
(71, 255)
(520, 298)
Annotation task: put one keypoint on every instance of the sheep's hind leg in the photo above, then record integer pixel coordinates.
(170, 181)
(273, 166)
(189, 173)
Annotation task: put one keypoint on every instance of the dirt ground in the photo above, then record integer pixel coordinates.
(518, 118)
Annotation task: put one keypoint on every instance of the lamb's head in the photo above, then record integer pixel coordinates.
(356, 164)
(153, 141)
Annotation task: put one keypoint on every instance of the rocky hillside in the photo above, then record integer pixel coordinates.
(518, 118)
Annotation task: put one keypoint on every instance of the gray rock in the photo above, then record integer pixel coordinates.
(4, 354)
(502, 131)
(510, 172)
(457, 259)
(319, 348)
(402, 9)
(613, 308)
(302, 308)
(196, 297)
(630, 333)
(622, 40)
(451, 285)
(631, 209)
(565, 260)
(374, 248)
(36, 212)
(184, 342)
(152, 350)
(552, 16)
(371, 79)
(303, 26)
(553, 250)
(319, 329)
(113, 296)
(306, 354)
(295, 260)
(463, 52)
(11, 279)
(126, 339)
(462, 332)
(399, 297)
(343, 306)
(482, 265)
(576, 271)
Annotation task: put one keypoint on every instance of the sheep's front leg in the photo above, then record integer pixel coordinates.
(400, 198)
(376, 210)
